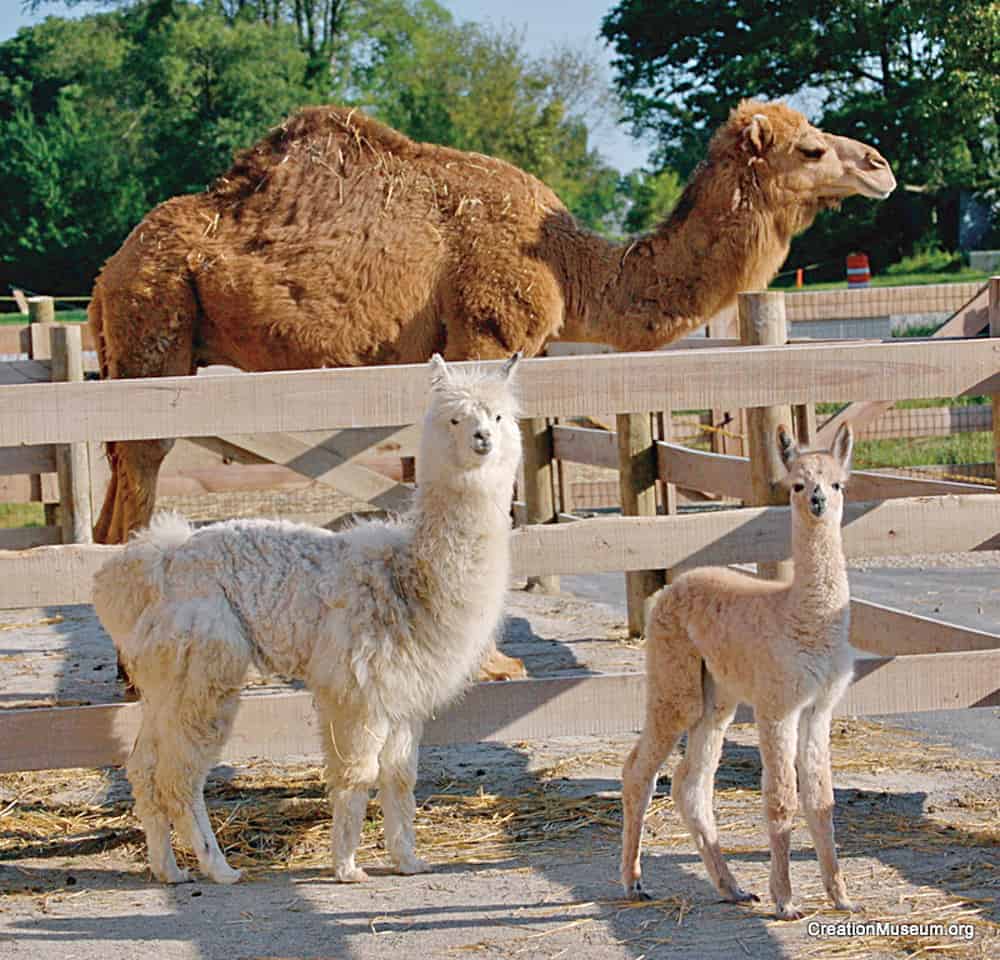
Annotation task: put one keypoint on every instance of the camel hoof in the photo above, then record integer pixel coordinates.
(739, 895)
(848, 906)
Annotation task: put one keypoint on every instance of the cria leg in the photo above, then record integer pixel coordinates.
(673, 701)
(155, 822)
(352, 750)
(397, 778)
(816, 785)
(778, 739)
(693, 789)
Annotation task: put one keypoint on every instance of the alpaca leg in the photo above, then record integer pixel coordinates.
(155, 822)
(778, 742)
(498, 666)
(352, 743)
(194, 757)
(397, 778)
(693, 789)
(816, 785)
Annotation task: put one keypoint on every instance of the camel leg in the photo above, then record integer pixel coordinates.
(816, 785)
(778, 747)
(694, 785)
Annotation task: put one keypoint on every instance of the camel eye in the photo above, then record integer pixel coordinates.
(812, 153)
(799, 487)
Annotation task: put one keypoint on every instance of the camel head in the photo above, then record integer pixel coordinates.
(795, 163)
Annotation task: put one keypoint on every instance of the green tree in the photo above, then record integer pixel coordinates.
(918, 79)
(651, 197)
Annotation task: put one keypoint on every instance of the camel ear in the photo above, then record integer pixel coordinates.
(843, 446)
(788, 449)
(507, 370)
(439, 371)
(758, 135)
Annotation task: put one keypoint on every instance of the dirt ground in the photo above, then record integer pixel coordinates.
(523, 838)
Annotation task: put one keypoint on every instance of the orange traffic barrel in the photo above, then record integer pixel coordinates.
(858, 272)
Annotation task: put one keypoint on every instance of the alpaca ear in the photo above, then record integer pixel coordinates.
(439, 371)
(758, 135)
(507, 370)
(843, 445)
(788, 449)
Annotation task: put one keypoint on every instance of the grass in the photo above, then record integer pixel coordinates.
(902, 280)
(921, 451)
(22, 515)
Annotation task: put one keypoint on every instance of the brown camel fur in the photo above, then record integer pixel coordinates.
(336, 241)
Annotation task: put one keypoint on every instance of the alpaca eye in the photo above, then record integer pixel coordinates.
(799, 487)
(836, 486)
(454, 423)
(498, 418)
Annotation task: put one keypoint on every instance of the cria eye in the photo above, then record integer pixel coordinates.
(498, 418)
(454, 423)
(799, 487)
(836, 486)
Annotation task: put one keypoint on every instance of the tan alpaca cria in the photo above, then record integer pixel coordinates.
(718, 638)
(385, 623)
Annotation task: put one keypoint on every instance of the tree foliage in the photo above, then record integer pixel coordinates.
(919, 79)
(107, 115)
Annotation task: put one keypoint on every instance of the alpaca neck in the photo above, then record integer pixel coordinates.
(724, 236)
(820, 582)
(474, 526)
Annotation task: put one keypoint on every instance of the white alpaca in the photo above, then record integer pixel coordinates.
(385, 623)
(718, 638)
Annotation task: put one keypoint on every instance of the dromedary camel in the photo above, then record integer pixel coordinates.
(336, 241)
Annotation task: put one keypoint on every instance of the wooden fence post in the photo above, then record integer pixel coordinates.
(72, 459)
(994, 314)
(637, 476)
(762, 323)
(536, 439)
(36, 344)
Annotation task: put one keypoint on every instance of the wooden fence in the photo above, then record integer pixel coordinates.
(910, 663)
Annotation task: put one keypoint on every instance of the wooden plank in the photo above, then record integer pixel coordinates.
(325, 466)
(12, 338)
(278, 726)
(615, 544)
(880, 301)
(24, 460)
(24, 538)
(20, 299)
(597, 448)
(888, 632)
(27, 488)
(373, 396)
(967, 322)
(699, 470)
(537, 492)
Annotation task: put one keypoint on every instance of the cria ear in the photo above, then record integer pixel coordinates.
(439, 371)
(507, 370)
(843, 445)
(788, 449)
(758, 134)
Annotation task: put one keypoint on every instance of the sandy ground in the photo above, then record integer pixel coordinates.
(524, 839)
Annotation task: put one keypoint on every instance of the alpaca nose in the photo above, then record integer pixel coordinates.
(817, 502)
(482, 442)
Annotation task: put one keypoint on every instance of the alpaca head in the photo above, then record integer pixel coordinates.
(817, 479)
(471, 434)
(798, 164)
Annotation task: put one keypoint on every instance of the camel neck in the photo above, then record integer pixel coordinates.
(721, 238)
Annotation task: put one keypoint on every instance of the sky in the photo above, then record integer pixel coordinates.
(546, 24)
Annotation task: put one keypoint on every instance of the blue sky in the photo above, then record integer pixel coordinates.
(545, 25)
